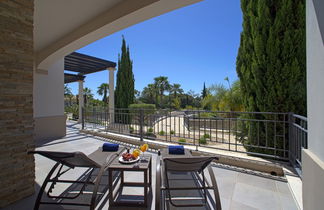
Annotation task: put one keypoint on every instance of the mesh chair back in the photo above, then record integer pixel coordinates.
(192, 163)
(70, 159)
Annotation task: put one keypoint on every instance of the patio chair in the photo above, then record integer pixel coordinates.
(193, 165)
(97, 160)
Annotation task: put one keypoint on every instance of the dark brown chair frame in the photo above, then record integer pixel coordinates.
(162, 176)
(72, 160)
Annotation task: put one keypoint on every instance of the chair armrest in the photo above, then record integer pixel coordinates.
(218, 205)
(158, 184)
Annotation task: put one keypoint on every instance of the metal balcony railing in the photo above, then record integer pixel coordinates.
(273, 135)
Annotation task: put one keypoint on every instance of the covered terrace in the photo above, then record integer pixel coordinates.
(238, 189)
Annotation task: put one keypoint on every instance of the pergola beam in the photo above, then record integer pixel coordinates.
(69, 78)
(85, 64)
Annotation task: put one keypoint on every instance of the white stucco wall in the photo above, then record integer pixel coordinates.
(315, 83)
(49, 91)
(313, 157)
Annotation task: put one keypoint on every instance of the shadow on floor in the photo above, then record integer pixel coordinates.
(72, 194)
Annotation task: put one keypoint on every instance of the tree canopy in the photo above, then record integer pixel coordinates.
(176, 98)
(271, 60)
(221, 98)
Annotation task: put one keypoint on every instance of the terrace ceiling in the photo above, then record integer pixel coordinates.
(72, 14)
(62, 27)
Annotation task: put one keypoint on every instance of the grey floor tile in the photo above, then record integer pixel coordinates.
(283, 188)
(257, 181)
(223, 173)
(240, 206)
(226, 187)
(288, 202)
(256, 197)
(225, 203)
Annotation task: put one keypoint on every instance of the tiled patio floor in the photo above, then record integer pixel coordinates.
(238, 190)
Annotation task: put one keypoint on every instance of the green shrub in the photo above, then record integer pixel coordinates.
(181, 141)
(150, 130)
(206, 136)
(74, 109)
(149, 134)
(161, 133)
(148, 108)
(207, 115)
(202, 140)
(142, 106)
(171, 132)
(131, 129)
(189, 107)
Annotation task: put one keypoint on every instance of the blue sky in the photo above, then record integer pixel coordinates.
(190, 46)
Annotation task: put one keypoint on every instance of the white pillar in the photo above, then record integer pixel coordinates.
(111, 94)
(81, 100)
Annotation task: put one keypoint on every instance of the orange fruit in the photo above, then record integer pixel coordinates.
(136, 153)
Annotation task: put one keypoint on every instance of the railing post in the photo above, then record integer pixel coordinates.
(199, 127)
(82, 111)
(291, 153)
(141, 118)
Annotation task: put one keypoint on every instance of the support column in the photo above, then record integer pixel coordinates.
(81, 100)
(112, 94)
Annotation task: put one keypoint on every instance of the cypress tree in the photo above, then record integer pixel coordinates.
(271, 60)
(204, 92)
(124, 94)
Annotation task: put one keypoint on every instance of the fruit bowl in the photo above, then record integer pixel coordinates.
(128, 158)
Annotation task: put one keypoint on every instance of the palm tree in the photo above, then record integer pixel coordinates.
(162, 84)
(226, 79)
(87, 95)
(150, 93)
(103, 91)
(232, 101)
(176, 89)
(68, 93)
